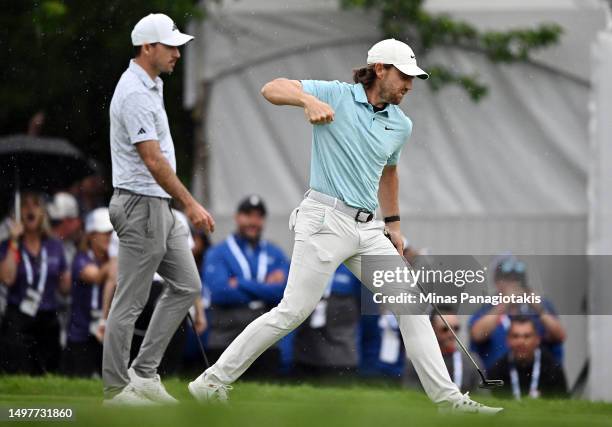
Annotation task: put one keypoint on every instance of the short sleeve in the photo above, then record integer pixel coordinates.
(395, 156)
(325, 91)
(138, 112)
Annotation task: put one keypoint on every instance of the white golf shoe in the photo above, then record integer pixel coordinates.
(207, 391)
(128, 397)
(150, 388)
(466, 405)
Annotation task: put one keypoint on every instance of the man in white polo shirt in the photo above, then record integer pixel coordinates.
(150, 236)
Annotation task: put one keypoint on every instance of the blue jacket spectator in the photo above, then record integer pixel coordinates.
(489, 326)
(381, 348)
(244, 276)
(228, 272)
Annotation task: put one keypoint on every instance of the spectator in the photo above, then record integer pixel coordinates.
(91, 193)
(65, 222)
(490, 324)
(34, 268)
(326, 343)
(528, 369)
(65, 226)
(459, 367)
(90, 271)
(380, 347)
(245, 275)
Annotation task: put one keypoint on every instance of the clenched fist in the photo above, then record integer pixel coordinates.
(318, 112)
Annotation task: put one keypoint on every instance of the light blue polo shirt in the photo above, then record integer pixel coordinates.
(349, 154)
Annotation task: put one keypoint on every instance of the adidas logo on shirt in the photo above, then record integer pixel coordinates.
(142, 131)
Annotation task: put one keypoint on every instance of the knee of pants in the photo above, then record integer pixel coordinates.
(191, 289)
(287, 320)
(125, 314)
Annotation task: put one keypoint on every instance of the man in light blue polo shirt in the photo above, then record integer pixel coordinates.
(349, 154)
(358, 134)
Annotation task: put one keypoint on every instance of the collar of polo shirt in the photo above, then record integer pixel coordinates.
(360, 96)
(146, 79)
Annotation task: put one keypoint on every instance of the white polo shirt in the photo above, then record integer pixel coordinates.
(137, 114)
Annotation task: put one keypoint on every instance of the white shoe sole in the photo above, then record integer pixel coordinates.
(451, 411)
(195, 393)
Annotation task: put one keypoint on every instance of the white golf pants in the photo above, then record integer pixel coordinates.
(324, 238)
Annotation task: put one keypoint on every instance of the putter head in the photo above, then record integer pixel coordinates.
(491, 384)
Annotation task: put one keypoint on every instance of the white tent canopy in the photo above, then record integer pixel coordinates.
(456, 165)
(506, 174)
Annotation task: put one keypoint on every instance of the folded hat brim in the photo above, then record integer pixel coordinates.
(412, 70)
(177, 39)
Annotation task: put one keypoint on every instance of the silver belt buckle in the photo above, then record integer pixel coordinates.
(363, 216)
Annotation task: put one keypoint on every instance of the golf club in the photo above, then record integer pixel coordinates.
(486, 383)
(206, 364)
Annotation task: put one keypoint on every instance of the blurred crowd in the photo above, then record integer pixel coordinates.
(58, 272)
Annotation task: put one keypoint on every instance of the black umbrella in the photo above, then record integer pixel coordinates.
(45, 164)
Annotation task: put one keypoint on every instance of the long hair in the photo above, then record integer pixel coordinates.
(367, 75)
(44, 228)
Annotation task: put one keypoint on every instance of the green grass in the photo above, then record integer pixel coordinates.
(259, 404)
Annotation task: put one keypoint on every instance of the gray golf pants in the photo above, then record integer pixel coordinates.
(150, 239)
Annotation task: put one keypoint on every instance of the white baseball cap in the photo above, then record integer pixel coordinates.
(63, 206)
(158, 28)
(396, 53)
(98, 221)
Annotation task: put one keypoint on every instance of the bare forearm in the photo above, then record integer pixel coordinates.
(199, 306)
(484, 326)
(285, 92)
(388, 192)
(167, 179)
(94, 275)
(8, 269)
(554, 329)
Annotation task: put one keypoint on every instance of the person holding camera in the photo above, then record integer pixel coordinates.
(489, 326)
